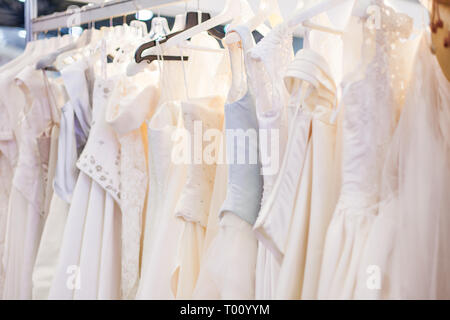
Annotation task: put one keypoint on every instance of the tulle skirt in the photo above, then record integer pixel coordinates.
(228, 268)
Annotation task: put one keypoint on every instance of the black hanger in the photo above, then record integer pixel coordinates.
(191, 21)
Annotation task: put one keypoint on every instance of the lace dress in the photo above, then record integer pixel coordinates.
(11, 105)
(372, 98)
(408, 248)
(269, 60)
(131, 105)
(27, 202)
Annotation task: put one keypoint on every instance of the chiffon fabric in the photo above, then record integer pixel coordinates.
(372, 97)
(407, 251)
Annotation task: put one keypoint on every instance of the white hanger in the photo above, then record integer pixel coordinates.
(140, 27)
(232, 9)
(180, 23)
(267, 9)
(313, 11)
(160, 28)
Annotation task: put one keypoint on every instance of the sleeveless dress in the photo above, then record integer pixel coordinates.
(228, 269)
(127, 115)
(74, 129)
(90, 255)
(11, 108)
(407, 247)
(269, 60)
(372, 98)
(26, 213)
(180, 189)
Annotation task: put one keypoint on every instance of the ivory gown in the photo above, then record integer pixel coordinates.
(73, 134)
(407, 255)
(372, 98)
(178, 210)
(90, 254)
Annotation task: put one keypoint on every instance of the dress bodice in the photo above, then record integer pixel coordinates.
(268, 63)
(195, 199)
(245, 181)
(76, 118)
(100, 159)
(34, 135)
(372, 96)
(305, 106)
(160, 129)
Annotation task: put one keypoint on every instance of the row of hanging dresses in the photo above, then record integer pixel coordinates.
(319, 175)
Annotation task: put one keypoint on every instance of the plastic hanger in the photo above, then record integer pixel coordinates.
(268, 11)
(192, 21)
(232, 10)
(159, 28)
(180, 23)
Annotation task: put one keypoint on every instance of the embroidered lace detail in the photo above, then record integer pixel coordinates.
(270, 59)
(134, 181)
(272, 56)
(194, 203)
(373, 101)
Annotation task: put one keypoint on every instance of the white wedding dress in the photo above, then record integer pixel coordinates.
(407, 255)
(74, 129)
(90, 254)
(268, 63)
(372, 99)
(180, 193)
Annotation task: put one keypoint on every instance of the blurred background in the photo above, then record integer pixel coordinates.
(12, 33)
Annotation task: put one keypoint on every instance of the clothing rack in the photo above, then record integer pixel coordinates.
(89, 13)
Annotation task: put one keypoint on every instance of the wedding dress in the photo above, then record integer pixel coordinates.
(372, 98)
(175, 224)
(228, 269)
(12, 103)
(127, 115)
(27, 202)
(90, 254)
(316, 190)
(270, 58)
(407, 251)
(73, 134)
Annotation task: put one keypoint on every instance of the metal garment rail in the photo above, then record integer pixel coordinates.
(96, 12)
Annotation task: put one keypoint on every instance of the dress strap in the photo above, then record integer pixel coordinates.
(248, 43)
